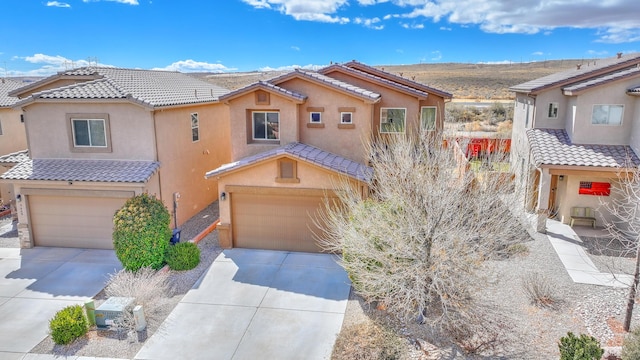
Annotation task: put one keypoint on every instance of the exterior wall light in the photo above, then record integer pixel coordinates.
(223, 196)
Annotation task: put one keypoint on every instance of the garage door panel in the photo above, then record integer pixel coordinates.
(68, 221)
(277, 222)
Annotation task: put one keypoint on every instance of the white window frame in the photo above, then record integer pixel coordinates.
(435, 117)
(404, 124)
(195, 127)
(311, 117)
(104, 131)
(342, 114)
(552, 110)
(608, 123)
(266, 124)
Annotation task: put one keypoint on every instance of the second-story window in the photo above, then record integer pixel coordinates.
(89, 133)
(315, 117)
(346, 117)
(607, 114)
(553, 110)
(266, 125)
(195, 127)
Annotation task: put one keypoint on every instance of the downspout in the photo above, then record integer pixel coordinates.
(157, 158)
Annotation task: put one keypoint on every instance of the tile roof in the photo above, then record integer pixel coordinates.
(553, 147)
(399, 79)
(599, 80)
(307, 153)
(266, 86)
(148, 87)
(6, 86)
(587, 69)
(83, 170)
(336, 84)
(634, 90)
(382, 80)
(15, 157)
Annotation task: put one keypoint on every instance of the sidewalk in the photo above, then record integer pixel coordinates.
(571, 252)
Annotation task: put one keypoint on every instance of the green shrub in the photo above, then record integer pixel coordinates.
(68, 324)
(631, 345)
(141, 232)
(183, 256)
(579, 348)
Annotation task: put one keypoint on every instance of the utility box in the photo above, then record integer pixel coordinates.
(112, 309)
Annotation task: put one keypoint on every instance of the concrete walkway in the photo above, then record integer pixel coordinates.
(257, 304)
(571, 251)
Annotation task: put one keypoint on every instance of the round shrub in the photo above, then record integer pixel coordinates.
(141, 232)
(183, 256)
(584, 347)
(68, 324)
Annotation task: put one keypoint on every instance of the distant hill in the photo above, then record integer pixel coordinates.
(464, 81)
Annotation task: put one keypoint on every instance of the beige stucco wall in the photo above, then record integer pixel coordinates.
(131, 130)
(542, 101)
(240, 110)
(14, 137)
(568, 197)
(634, 137)
(184, 162)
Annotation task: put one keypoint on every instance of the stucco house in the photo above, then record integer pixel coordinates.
(573, 132)
(98, 136)
(293, 137)
(13, 138)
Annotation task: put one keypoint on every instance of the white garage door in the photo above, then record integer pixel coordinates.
(70, 221)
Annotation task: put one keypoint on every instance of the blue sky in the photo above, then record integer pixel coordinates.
(41, 37)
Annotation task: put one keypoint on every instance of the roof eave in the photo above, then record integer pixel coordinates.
(302, 75)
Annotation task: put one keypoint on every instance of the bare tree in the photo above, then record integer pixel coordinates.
(418, 241)
(624, 206)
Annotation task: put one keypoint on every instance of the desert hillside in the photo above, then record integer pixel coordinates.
(464, 81)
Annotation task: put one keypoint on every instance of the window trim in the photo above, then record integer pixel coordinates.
(197, 128)
(609, 113)
(350, 122)
(294, 171)
(435, 117)
(319, 117)
(265, 101)
(404, 126)
(555, 106)
(252, 122)
(89, 116)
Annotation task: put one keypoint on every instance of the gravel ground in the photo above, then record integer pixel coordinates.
(125, 346)
(527, 331)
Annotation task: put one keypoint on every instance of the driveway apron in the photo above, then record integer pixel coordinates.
(257, 304)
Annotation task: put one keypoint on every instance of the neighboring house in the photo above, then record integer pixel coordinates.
(573, 132)
(13, 138)
(295, 136)
(98, 136)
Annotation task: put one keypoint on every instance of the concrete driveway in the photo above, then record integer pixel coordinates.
(36, 283)
(257, 304)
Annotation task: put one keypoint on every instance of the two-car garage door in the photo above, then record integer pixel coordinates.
(73, 221)
(275, 221)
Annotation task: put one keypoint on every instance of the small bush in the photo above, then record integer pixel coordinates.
(183, 256)
(539, 289)
(579, 348)
(68, 324)
(141, 232)
(631, 345)
(368, 341)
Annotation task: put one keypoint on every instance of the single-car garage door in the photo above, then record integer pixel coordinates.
(275, 222)
(73, 221)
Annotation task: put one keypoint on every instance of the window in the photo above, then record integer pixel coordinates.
(346, 117)
(392, 120)
(0, 127)
(315, 117)
(195, 127)
(428, 118)
(287, 171)
(594, 188)
(553, 110)
(266, 125)
(89, 133)
(607, 114)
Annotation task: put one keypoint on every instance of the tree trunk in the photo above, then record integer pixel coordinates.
(632, 291)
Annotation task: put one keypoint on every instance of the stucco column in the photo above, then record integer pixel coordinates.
(542, 211)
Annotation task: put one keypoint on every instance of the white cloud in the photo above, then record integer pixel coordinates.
(58, 4)
(295, 48)
(537, 53)
(597, 53)
(616, 21)
(370, 23)
(195, 66)
(128, 2)
(310, 10)
(436, 55)
(292, 67)
(444, 28)
(412, 26)
(50, 65)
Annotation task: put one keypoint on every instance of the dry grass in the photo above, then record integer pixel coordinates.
(540, 289)
(368, 340)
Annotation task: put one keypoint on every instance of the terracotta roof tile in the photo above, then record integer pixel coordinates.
(382, 80)
(553, 147)
(305, 152)
(599, 80)
(6, 86)
(83, 170)
(264, 85)
(15, 157)
(337, 84)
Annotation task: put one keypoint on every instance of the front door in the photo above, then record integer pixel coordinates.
(552, 196)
